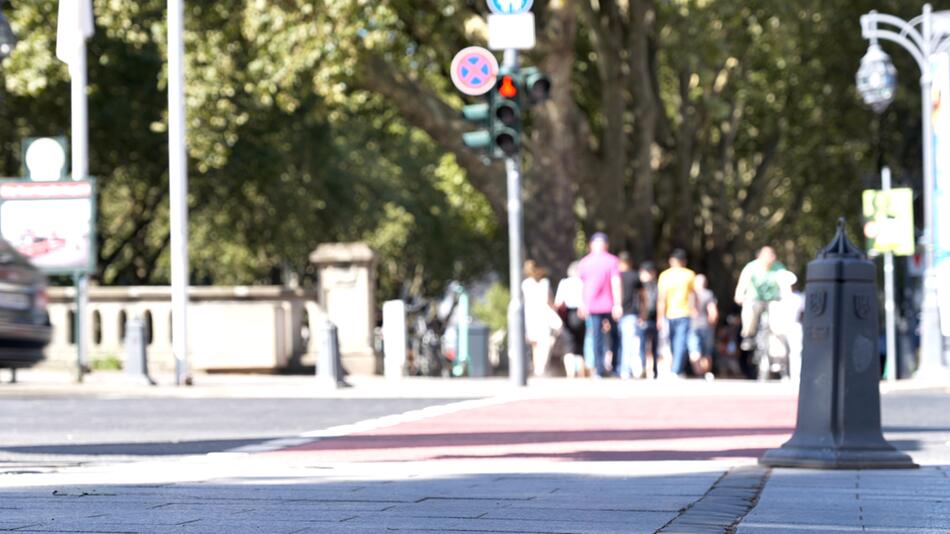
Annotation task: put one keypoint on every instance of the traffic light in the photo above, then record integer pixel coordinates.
(499, 121)
(536, 84)
(505, 120)
(478, 114)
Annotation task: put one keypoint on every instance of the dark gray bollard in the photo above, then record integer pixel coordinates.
(839, 403)
(329, 368)
(136, 356)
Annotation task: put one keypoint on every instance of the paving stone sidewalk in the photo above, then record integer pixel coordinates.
(264, 496)
(893, 502)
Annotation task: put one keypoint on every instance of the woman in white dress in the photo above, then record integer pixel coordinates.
(539, 314)
(569, 296)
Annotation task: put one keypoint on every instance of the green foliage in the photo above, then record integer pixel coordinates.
(109, 362)
(275, 168)
(713, 125)
(492, 309)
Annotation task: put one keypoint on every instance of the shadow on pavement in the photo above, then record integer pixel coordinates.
(179, 448)
(466, 439)
(615, 456)
(302, 500)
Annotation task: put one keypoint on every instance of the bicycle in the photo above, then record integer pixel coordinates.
(771, 352)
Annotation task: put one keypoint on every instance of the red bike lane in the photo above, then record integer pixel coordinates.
(636, 428)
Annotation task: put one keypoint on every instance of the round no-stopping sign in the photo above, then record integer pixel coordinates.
(474, 70)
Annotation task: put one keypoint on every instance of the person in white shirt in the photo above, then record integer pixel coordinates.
(539, 318)
(569, 299)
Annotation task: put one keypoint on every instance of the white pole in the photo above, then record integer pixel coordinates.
(931, 341)
(178, 189)
(80, 171)
(890, 321)
(517, 363)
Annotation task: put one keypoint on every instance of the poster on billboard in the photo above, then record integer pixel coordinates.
(941, 153)
(889, 221)
(51, 223)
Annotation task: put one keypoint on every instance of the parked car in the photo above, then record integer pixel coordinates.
(24, 322)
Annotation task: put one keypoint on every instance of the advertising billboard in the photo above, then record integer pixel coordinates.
(52, 223)
(940, 119)
(889, 221)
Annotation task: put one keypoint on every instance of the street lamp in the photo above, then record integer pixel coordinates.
(921, 37)
(877, 79)
(877, 82)
(7, 38)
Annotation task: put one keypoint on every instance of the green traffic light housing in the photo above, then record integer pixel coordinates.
(536, 84)
(475, 113)
(505, 120)
(479, 114)
(500, 119)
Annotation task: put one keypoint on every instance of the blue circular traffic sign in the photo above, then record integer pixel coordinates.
(509, 7)
(474, 70)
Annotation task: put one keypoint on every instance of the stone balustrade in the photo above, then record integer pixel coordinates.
(229, 328)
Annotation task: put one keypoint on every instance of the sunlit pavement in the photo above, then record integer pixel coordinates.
(558, 457)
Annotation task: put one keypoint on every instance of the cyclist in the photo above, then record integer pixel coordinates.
(758, 287)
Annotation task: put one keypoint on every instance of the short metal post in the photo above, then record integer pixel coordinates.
(462, 354)
(82, 300)
(329, 370)
(890, 321)
(136, 356)
(394, 339)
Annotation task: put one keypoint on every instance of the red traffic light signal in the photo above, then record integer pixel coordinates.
(508, 89)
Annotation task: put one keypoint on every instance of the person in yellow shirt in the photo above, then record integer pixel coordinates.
(675, 306)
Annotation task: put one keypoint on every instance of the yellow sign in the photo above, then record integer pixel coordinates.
(889, 221)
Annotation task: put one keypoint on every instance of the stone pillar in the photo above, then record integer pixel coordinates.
(347, 273)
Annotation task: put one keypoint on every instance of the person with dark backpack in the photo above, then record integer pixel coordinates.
(646, 326)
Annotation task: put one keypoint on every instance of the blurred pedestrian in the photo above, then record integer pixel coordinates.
(600, 272)
(703, 328)
(675, 307)
(568, 300)
(646, 326)
(785, 315)
(631, 290)
(539, 315)
(757, 287)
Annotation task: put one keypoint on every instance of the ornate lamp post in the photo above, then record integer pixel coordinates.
(877, 82)
(919, 38)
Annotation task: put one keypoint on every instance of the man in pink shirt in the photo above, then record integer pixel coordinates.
(600, 273)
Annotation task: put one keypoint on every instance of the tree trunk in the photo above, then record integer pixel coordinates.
(646, 114)
(559, 150)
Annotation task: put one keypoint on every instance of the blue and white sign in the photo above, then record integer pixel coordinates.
(509, 7)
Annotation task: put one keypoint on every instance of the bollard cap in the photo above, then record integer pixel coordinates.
(841, 246)
(841, 261)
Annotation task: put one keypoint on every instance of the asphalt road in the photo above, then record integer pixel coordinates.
(83, 428)
(919, 423)
(89, 428)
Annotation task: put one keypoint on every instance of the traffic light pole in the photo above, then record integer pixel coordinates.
(517, 364)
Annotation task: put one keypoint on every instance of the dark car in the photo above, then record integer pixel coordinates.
(24, 322)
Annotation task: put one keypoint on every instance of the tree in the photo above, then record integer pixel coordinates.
(716, 126)
(272, 173)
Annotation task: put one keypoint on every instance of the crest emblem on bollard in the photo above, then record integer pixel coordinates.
(862, 306)
(816, 302)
